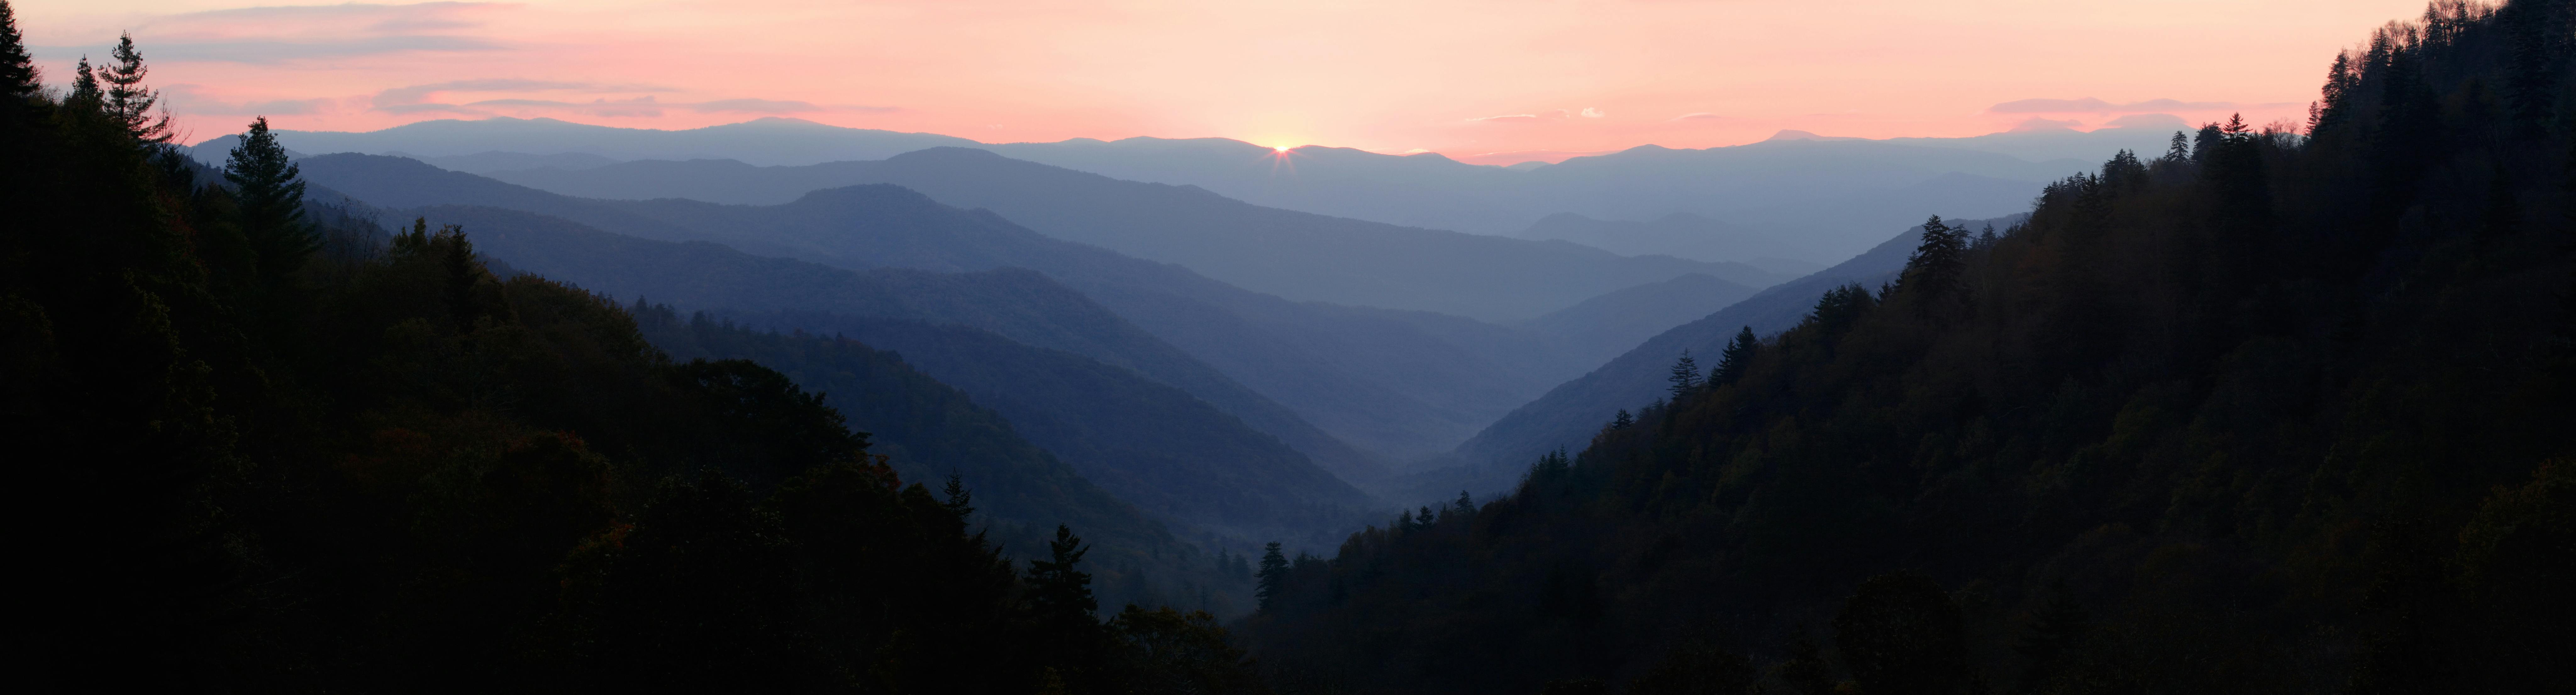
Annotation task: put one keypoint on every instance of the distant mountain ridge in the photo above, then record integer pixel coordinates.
(1396, 384)
(1812, 188)
(1295, 255)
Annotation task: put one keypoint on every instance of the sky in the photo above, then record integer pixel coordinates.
(1460, 77)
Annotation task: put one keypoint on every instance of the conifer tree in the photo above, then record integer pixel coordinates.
(85, 90)
(18, 77)
(1932, 276)
(1987, 238)
(1273, 577)
(127, 100)
(270, 192)
(1685, 375)
(1737, 358)
(1467, 505)
(2180, 150)
(1057, 588)
(961, 502)
(1622, 421)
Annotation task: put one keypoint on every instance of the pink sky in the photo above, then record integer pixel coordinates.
(1462, 77)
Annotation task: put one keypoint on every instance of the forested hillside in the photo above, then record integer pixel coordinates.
(930, 430)
(1635, 372)
(270, 447)
(2267, 412)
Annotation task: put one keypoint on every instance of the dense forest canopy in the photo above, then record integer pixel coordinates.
(272, 446)
(2284, 408)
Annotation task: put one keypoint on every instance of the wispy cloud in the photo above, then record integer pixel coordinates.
(517, 96)
(269, 35)
(2160, 121)
(2093, 105)
(758, 106)
(2038, 124)
(1548, 115)
(1700, 116)
(194, 99)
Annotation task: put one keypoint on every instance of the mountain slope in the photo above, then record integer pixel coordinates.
(1198, 461)
(1681, 235)
(1151, 444)
(1570, 413)
(930, 431)
(1295, 255)
(1396, 384)
(1603, 327)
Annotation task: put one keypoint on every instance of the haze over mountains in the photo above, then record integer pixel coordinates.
(1237, 370)
(1816, 194)
(1400, 384)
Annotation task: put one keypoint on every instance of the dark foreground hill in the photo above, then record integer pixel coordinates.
(2272, 413)
(1396, 384)
(274, 448)
(1295, 255)
(930, 431)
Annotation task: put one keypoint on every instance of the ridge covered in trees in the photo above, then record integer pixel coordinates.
(271, 446)
(2271, 412)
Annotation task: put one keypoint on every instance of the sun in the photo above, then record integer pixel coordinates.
(1282, 149)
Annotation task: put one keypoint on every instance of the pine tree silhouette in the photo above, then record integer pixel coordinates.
(127, 100)
(1737, 358)
(1685, 376)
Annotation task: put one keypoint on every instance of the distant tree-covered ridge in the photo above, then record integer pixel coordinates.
(2280, 409)
(272, 447)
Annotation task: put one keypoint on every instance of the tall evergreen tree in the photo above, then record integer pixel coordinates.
(2179, 150)
(127, 100)
(1685, 375)
(1623, 420)
(1273, 577)
(1058, 589)
(1932, 277)
(1737, 358)
(85, 91)
(270, 193)
(18, 77)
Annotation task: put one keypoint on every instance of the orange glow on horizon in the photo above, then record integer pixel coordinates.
(1452, 76)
